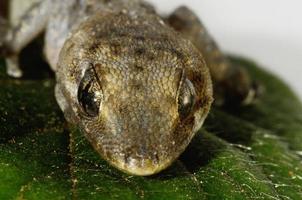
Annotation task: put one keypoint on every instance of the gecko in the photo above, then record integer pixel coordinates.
(138, 85)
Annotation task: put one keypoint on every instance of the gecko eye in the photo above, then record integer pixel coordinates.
(90, 93)
(186, 99)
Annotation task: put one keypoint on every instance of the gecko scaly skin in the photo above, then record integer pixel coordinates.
(138, 85)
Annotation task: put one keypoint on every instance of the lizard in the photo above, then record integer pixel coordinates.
(139, 85)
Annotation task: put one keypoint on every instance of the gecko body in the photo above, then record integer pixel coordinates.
(137, 84)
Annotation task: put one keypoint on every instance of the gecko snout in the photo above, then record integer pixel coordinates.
(137, 137)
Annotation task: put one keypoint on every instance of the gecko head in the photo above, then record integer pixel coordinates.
(139, 98)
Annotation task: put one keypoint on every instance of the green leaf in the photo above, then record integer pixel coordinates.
(252, 152)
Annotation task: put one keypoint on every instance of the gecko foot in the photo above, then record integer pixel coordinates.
(12, 67)
(237, 89)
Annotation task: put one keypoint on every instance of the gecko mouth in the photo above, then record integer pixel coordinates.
(142, 167)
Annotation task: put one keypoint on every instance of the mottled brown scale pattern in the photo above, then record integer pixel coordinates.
(138, 86)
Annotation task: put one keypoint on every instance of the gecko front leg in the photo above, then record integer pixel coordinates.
(232, 84)
(30, 26)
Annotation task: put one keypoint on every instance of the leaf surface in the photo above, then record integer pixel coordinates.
(252, 152)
